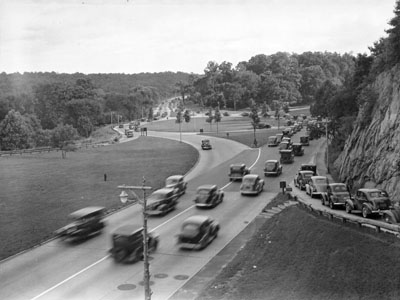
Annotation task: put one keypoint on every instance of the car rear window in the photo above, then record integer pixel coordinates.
(190, 230)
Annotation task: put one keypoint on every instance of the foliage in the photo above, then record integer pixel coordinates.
(15, 131)
(186, 116)
(63, 134)
(255, 120)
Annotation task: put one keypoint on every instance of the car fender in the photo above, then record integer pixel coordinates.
(389, 215)
(350, 202)
(368, 205)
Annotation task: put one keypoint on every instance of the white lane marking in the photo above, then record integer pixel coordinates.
(105, 257)
(70, 277)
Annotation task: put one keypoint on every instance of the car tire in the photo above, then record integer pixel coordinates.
(365, 212)
(331, 204)
(387, 219)
(348, 208)
(311, 194)
(154, 245)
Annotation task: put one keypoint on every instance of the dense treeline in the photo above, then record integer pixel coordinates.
(50, 109)
(355, 99)
(272, 79)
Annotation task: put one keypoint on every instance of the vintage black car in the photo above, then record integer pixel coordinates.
(305, 140)
(309, 167)
(197, 232)
(285, 145)
(336, 195)
(178, 183)
(287, 156)
(237, 171)
(298, 149)
(301, 179)
(206, 145)
(208, 196)
(279, 137)
(369, 202)
(86, 222)
(162, 201)
(287, 132)
(252, 184)
(127, 243)
(272, 167)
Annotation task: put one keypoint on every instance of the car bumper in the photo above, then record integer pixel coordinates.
(203, 204)
(271, 173)
(248, 192)
(189, 246)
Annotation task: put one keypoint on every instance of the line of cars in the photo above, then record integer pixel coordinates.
(366, 201)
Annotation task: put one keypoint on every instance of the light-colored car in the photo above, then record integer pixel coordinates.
(161, 201)
(317, 185)
(176, 182)
(301, 179)
(252, 184)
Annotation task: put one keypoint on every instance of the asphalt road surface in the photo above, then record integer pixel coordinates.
(56, 270)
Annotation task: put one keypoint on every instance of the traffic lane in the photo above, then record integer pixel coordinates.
(170, 267)
(223, 149)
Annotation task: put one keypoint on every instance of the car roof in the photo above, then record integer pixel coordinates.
(175, 177)
(207, 187)
(271, 160)
(337, 184)
(251, 176)
(197, 219)
(128, 230)
(319, 177)
(286, 151)
(86, 211)
(164, 190)
(238, 165)
(297, 144)
(272, 136)
(306, 172)
(205, 141)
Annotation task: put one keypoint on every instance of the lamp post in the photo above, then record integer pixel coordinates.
(327, 144)
(124, 198)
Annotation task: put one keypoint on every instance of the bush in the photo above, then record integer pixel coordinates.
(226, 114)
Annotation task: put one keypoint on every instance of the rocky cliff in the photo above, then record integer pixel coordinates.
(373, 148)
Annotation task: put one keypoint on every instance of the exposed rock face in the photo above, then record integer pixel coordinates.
(374, 150)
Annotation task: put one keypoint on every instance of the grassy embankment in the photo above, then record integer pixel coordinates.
(296, 255)
(40, 190)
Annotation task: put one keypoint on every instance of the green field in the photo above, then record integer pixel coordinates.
(40, 190)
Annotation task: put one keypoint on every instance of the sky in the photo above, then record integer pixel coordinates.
(135, 36)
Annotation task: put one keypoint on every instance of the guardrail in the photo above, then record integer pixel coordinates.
(28, 151)
(378, 226)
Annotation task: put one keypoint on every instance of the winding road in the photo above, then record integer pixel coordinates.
(56, 270)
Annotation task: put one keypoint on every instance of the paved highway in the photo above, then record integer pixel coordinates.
(57, 270)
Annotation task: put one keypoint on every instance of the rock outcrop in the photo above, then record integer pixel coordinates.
(373, 149)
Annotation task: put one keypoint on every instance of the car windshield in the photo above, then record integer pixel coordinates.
(307, 175)
(203, 192)
(339, 188)
(248, 181)
(320, 181)
(236, 168)
(270, 166)
(272, 138)
(190, 230)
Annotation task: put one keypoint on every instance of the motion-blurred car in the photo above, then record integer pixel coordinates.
(86, 222)
(301, 179)
(206, 145)
(272, 167)
(127, 244)
(285, 145)
(279, 137)
(197, 232)
(237, 171)
(369, 202)
(176, 182)
(162, 201)
(252, 184)
(317, 185)
(208, 196)
(336, 195)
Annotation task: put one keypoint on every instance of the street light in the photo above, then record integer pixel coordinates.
(124, 199)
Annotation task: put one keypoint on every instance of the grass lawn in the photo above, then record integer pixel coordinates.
(40, 190)
(296, 255)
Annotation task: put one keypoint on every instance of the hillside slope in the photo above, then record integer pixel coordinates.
(296, 255)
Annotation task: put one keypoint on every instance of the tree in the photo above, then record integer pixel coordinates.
(255, 120)
(15, 133)
(179, 120)
(210, 117)
(150, 114)
(394, 37)
(217, 116)
(84, 126)
(186, 116)
(63, 134)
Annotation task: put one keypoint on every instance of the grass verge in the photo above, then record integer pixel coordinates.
(40, 190)
(296, 255)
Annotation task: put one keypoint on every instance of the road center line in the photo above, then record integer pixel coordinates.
(70, 277)
(108, 255)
